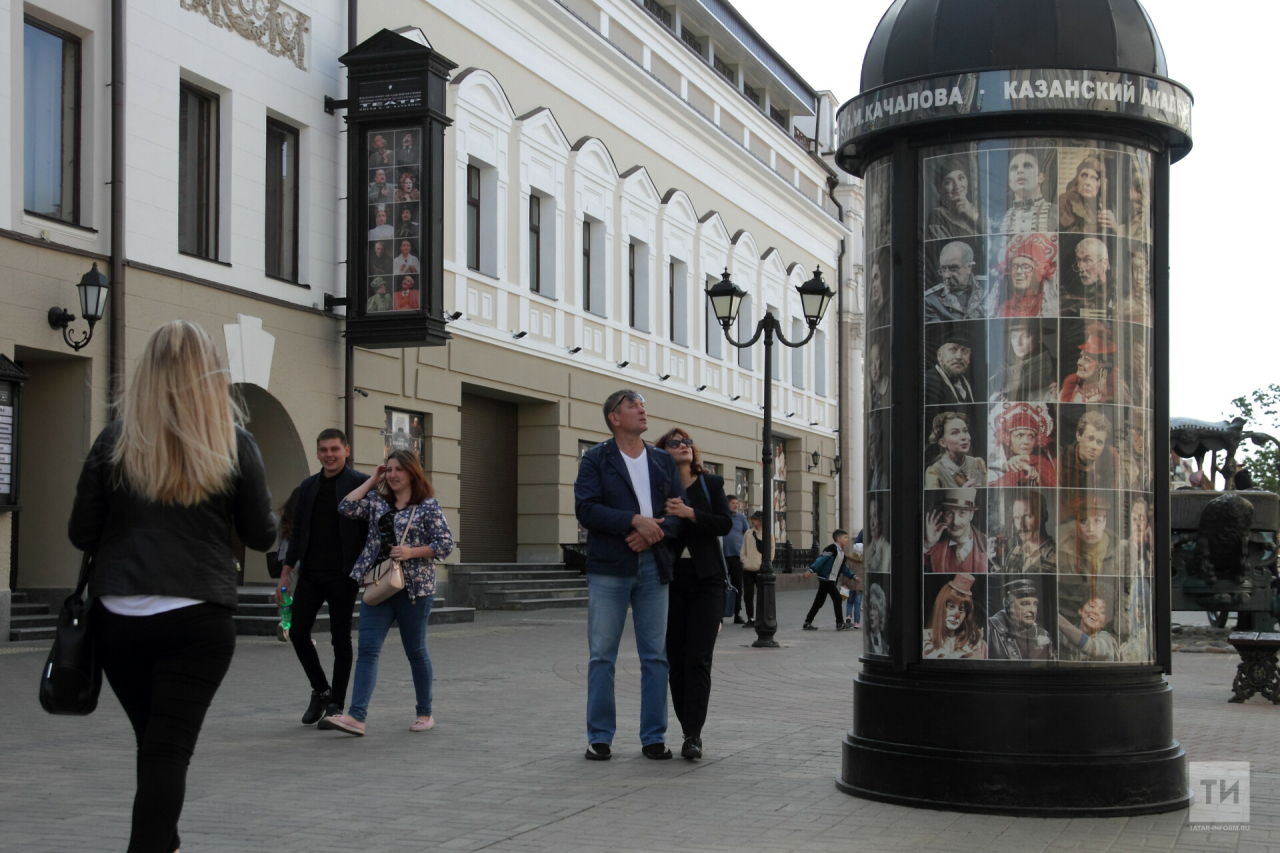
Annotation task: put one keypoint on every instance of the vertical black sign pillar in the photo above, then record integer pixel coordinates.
(1017, 536)
(395, 191)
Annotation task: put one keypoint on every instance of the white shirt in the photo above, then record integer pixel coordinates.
(405, 265)
(144, 605)
(381, 232)
(638, 468)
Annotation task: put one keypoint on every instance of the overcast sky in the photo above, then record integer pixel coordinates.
(1225, 340)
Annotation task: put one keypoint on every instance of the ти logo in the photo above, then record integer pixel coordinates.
(1220, 791)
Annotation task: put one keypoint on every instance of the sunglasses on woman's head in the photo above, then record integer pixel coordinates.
(677, 443)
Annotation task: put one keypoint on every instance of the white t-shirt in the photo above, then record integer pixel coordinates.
(638, 468)
(144, 605)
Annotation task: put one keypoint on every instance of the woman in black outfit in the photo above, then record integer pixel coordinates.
(697, 588)
(157, 500)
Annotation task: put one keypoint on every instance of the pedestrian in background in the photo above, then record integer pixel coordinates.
(697, 586)
(158, 497)
(853, 604)
(733, 554)
(326, 546)
(404, 523)
(751, 562)
(829, 567)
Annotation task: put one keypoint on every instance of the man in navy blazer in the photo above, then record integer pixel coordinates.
(324, 546)
(620, 494)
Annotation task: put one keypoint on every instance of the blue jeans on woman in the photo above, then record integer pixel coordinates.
(853, 606)
(375, 622)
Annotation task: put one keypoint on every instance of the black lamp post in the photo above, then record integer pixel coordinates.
(726, 300)
(94, 289)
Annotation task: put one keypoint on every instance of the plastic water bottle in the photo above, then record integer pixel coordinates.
(286, 608)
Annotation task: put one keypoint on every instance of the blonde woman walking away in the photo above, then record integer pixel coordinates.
(159, 494)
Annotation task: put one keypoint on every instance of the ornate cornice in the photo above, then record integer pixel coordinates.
(272, 25)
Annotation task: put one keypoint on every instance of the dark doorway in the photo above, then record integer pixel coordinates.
(488, 500)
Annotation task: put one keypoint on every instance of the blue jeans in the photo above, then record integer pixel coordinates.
(375, 622)
(608, 598)
(854, 606)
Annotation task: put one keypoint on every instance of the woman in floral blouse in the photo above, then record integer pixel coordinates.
(403, 499)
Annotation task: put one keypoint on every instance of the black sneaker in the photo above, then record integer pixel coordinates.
(320, 700)
(692, 748)
(841, 626)
(809, 626)
(599, 752)
(656, 751)
(750, 623)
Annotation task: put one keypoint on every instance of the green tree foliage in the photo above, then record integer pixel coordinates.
(1262, 410)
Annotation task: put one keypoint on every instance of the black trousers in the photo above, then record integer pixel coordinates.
(735, 578)
(164, 669)
(693, 622)
(825, 589)
(311, 593)
(749, 583)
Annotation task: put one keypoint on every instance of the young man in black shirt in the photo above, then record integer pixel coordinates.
(324, 548)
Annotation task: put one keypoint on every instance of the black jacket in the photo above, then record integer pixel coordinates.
(147, 548)
(352, 531)
(710, 519)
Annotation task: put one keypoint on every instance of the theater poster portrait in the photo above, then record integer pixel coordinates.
(405, 431)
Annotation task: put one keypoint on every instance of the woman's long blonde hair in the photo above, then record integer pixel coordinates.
(177, 439)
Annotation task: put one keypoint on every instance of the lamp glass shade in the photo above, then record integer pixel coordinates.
(726, 299)
(94, 289)
(814, 298)
(817, 457)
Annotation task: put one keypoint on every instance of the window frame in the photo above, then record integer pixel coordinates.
(211, 176)
(473, 226)
(535, 243)
(671, 299)
(586, 264)
(78, 108)
(631, 283)
(278, 125)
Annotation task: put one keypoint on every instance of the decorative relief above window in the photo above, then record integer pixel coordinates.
(274, 26)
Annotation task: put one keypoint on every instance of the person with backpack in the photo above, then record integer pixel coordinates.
(829, 566)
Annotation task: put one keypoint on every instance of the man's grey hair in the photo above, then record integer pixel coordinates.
(966, 251)
(1095, 247)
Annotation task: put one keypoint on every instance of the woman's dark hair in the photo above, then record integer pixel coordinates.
(420, 487)
(286, 516)
(940, 425)
(695, 467)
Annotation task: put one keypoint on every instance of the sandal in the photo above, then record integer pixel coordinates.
(421, 725)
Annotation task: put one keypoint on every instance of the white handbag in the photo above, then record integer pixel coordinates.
(387, 578)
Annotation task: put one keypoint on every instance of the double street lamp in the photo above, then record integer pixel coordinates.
(726, 300)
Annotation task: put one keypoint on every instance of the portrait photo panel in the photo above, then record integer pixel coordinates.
(408, 179)
(382, 185)
(1088, 533)
(1024, 275)
(1022, 356)
(406, 260)
(879, 362)
(1137, 471)
(1022, 445)
(380, 223)
(878, 439)
(955, 363)
(955, 531)
(1023, 622)
(1023, 525)
(1088, 280)
(379, 294)
(876, 551)
(955, 617)
(1087, 440)
(406, 295)
(1091, 361)
(955, 451)
(955, 280)
(1088, 623)
(1137, 540)
(878, 188)
(1136, 638)
(879, 288)
(1022, 187)
(1133, 277)
(408, 150)
(953, 194)
(405, 217)
(381, 149)
(876, 615)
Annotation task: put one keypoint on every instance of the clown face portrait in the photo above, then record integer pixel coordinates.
(1027, 268)
(1022, 445)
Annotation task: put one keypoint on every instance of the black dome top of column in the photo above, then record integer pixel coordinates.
(926, 38)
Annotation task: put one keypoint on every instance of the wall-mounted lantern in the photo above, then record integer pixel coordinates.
(94, 289)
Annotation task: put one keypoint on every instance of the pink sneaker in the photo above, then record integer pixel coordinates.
(342, 723)
(421, 725)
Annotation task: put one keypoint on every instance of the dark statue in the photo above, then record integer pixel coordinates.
(1222, 545)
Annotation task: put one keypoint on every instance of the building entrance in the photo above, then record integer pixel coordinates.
(488, 502)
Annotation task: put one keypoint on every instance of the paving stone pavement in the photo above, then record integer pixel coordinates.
(503, 770)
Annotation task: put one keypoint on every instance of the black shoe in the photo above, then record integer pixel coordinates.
(750, 623)
(320, 700)
(599, 752)
(656, 751)
(692, 748)
(738, 620)
(840, 626)
(809, 626)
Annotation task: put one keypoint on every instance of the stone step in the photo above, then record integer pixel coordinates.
(486, 575)
(16, 597)
(42, 620)
(504, 567)
(544, 603)
(494, 599)
(265, 626)
(26, 609)
(530, 583)
(18, 635)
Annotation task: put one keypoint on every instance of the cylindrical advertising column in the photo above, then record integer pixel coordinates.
(1016, 527)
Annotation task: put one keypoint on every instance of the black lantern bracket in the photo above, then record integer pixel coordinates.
(93, 288)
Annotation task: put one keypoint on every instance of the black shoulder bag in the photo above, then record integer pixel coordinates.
(72, 678)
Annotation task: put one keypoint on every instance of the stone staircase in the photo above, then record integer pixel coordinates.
(516, 586)
(258, 615)
(29, 620)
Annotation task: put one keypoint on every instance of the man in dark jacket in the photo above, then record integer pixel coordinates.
(620, 494)
(325, 546)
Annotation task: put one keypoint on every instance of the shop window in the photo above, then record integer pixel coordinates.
(51, 122)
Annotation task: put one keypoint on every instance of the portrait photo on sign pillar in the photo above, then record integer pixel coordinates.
(1088, 619)
(382, 190)
(1134, 450)
(955, 363)
(1135, 620)
(406, 221)
(955, 280)
(1089, 288)
(1022, 186)
(1023, 526)
(1023, 360)
(1133, 343)
(876, 639)
(952, 195)
(1137, 543)
(1134, 278)
(1023, 445)
(1089, 196)
(955, 450)
(879, 363)
(1090, 361)
(1135, 178)
(406, 296)
(379, 294)
(380, 256)
(877, 553)
(1023, 622)
(1089, 532)
(408, 152)
(955, 617)
(380, 227)
(879, 289)
(878, 439)
(381, 155)
(406, 260)
(407, 185)
(1088, 438)
(1024, 278)
(878, 191)
(955, 531)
